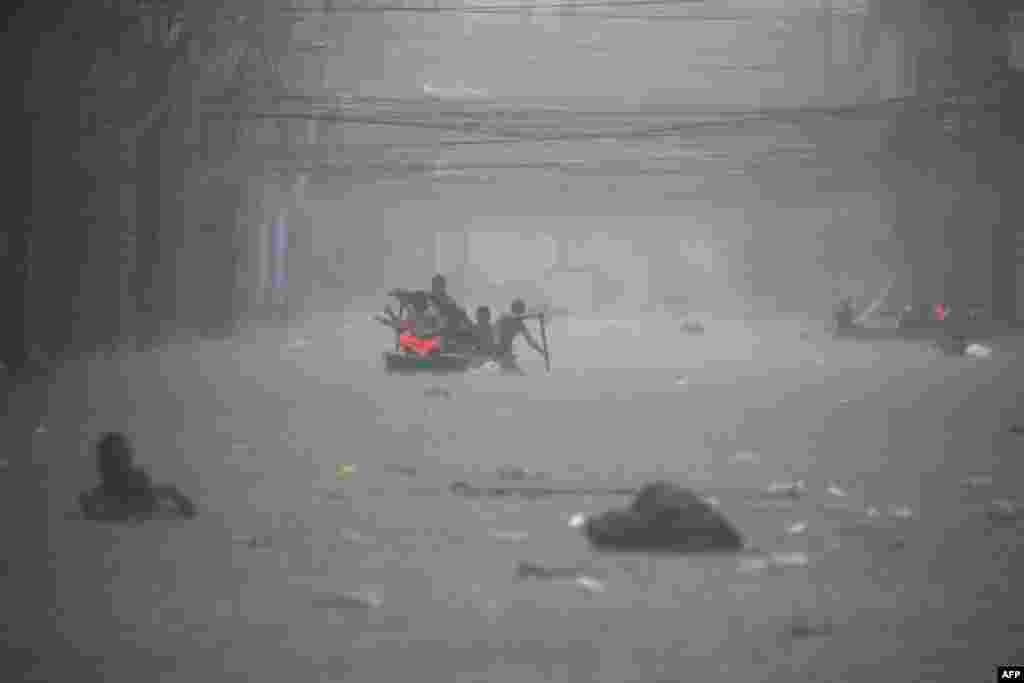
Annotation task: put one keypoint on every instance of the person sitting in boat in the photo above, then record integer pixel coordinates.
(510, 327)
(420, 327)
(456, 321)
(844, 315)
(484, 332)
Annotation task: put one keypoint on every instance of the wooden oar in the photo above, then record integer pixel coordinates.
(544, 341)
(543, 336)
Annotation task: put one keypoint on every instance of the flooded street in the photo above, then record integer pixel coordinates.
(910, 574)
(668, 180)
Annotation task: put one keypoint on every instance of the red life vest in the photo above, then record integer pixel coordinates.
(421, 347)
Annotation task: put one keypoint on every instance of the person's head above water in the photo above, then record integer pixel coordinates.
(518, 307)
(113, 453)
(438, 284)
(113, 442)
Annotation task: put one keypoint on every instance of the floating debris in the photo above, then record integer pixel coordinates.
(345, 471)
(746, 457)
(406, 470)
(239, 446)
(801, 628)
(1005, 510)
(348, 601)
(835, 490)
(796, 528)
(777, 561)
(437, 392)
(794, 489)
(514, 473)
(712, 501)
(977, 481)
(682, 381)
(255, 542)
(900, 512)
(664, 517)
(488, 368)
(532, 570)
(354, 537)
(590, 584)
(578, 521)
(298, 344)
(4, 463)
(873, 512)
(978, 351)
(461, 488)
(41, 429)
(509, 536)
(1017, 429)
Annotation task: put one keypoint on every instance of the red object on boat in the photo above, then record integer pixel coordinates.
(421, 347)
(941, 311)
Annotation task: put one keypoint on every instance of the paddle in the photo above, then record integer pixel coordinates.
(544, 342)
(543, 336)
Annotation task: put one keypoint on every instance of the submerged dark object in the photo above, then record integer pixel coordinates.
(664, 517)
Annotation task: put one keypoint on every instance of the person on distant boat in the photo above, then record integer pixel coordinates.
(510, 327)
(843, 316)
(484, 332)
(420, 327)
(456, 324)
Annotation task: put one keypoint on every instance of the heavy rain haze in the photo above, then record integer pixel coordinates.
(761, 417)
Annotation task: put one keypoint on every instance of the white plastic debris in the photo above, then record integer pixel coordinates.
(792, 489)
(488, 368)
(590, 584)
(785, 560)
(774, 561)
(873, 512)
(835, 490)
(348, 601)
(577, 521)
(796, 528)
(978, 351)
(509, 536)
